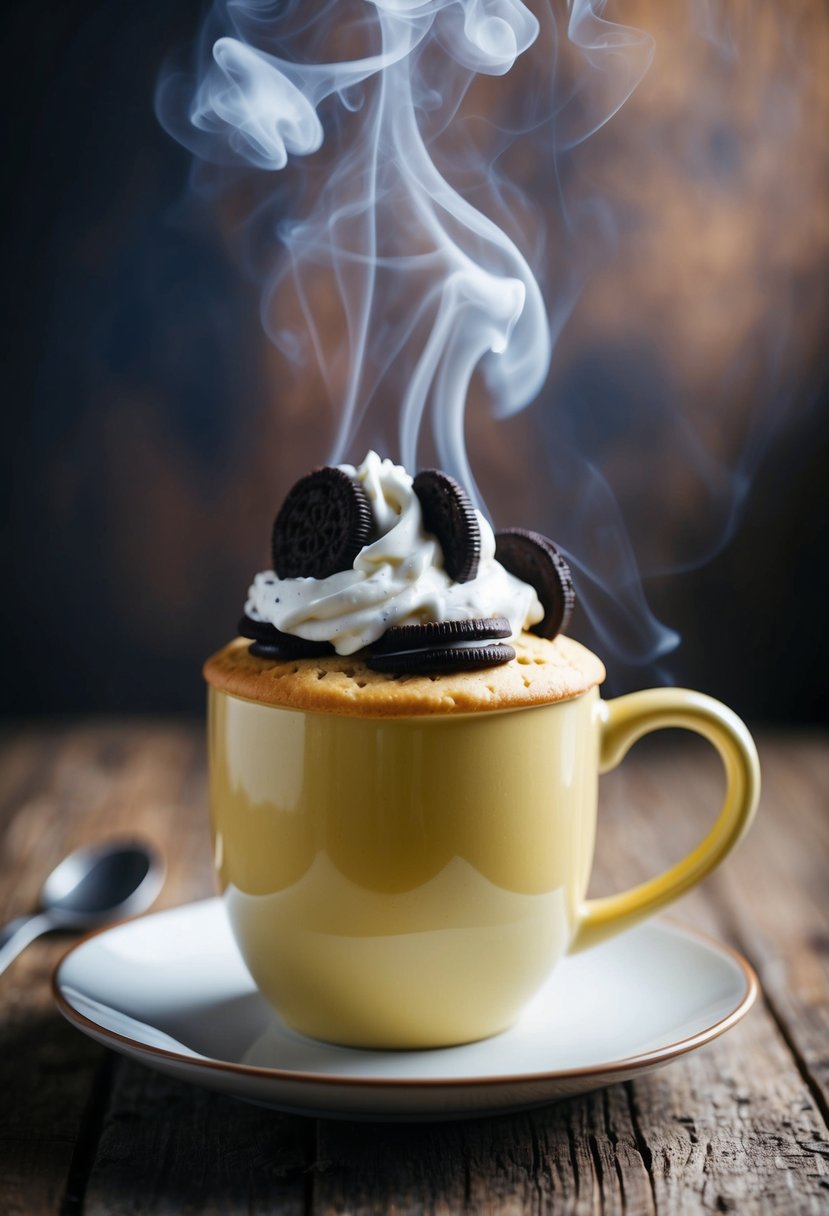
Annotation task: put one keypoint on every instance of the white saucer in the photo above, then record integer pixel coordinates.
(171, 990)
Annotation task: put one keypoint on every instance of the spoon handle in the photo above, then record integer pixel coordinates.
(17, 934)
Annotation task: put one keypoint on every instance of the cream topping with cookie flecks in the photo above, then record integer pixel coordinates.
(398, 578)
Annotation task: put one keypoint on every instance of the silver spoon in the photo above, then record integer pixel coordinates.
(91, 886)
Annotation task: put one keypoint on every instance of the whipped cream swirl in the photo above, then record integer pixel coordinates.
(397, 579)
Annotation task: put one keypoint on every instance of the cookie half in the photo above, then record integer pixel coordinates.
(258, 631)
(322, 525)
(536, 560)
(295, 648)
(448, 513)
(442, 658)
(440, 633)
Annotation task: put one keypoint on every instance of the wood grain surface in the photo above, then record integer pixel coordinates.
(737, 1126)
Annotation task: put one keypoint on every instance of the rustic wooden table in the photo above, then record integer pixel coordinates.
(738, 1126)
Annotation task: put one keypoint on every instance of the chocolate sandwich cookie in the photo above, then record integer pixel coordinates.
(289, 647)
(535, 560)
(440, 634)
(448, 513)
(259, 631)
(322, 525)
(271, 643)
(442, 658)
(442, 646)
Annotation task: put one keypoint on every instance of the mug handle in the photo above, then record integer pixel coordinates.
(623, 721)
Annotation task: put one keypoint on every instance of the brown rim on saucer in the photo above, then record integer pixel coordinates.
(626, 1064)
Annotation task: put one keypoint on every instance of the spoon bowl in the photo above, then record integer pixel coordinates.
(100, 882)
(92, 886)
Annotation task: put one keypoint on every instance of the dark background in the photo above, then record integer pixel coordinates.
(144, 460)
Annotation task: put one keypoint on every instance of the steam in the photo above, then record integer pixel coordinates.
(387, 226)
(430, 288)
(422, 238)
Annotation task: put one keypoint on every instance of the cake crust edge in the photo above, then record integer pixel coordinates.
(542, 672)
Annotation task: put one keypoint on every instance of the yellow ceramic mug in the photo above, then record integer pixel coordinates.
(411, 882)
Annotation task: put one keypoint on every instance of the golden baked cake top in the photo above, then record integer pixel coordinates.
(542, 671)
